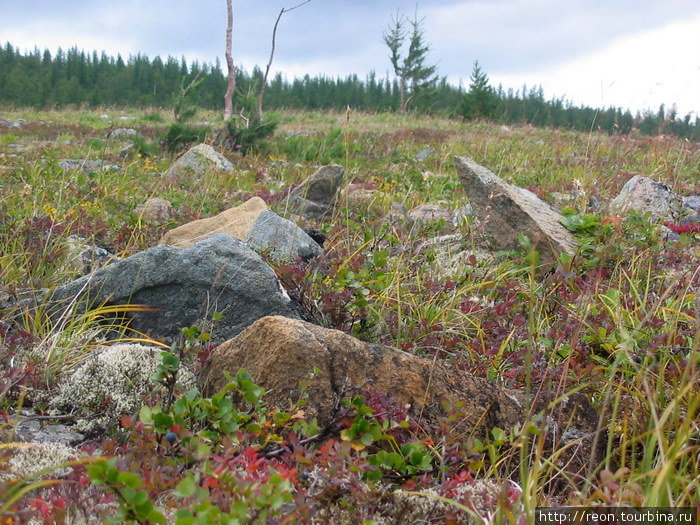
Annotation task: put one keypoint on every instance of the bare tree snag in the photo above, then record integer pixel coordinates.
(231, 87)
(261, 95)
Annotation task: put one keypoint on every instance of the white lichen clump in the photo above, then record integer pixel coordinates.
(29, 458)
(113, 381)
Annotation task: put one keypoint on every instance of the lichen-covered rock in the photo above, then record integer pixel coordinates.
(199, 160)
(114, 380)
(647, 195)
(183, 287)
(315, 196)
(427, 213)
(280, 353)
(87, 166)
(506, 211)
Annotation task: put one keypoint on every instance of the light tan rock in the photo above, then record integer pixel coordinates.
(155, 209)
(236, 221)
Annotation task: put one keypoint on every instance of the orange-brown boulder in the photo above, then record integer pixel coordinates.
(280, 353)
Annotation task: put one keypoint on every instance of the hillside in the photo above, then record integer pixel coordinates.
(525, 345)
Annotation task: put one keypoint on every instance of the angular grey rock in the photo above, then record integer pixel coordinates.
(200, 159)
(690, 211)
(315, 196)
(646, 195)
(281, 237)
(10, 124)
(87, 166)
(506, 211)
(35, 431)
(124, 132)
(184, 287)
(423, 154)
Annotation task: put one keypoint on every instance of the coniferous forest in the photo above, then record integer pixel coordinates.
(77, 78)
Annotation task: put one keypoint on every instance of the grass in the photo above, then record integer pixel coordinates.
(620, 321)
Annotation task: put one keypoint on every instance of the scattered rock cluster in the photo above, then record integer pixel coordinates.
(217, 264)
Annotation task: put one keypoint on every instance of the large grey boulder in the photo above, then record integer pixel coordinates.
(647, 195)
(200, 159)
(183, 287)
(315, 196)
(505, 211)
(254, 223)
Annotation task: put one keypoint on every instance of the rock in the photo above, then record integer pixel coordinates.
(32, 430)
(461, 214)
(104, 116)
(359, 193)
(156, 210)
(593, 205)
(83, 257)
(423, 154)
(690, 211)
(504, 129)
(505, 211)
(9, 124)
(184, 287)
(279, 353)
(124, 132)
(427, 213)
(316, 195)
(87, 166)
(252, 222)
(200, 159)
(646, 195)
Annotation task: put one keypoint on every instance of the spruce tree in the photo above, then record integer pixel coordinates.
(481, 101)
(416, 77)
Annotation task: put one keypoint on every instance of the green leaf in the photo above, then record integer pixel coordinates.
(186, 488)
(129, 479)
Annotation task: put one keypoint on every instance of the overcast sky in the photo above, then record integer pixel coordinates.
(635, 54)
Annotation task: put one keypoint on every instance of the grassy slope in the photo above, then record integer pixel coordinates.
(619, 322)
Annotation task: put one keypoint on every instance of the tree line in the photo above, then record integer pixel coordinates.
(73, 77)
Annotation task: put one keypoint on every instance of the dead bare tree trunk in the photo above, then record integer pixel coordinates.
(261, 94)
(231, 87)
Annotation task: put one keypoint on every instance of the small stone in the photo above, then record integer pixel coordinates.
(156, 210)
(424, 153)
(427, 213)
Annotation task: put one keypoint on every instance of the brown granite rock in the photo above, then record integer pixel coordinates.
(280, 353)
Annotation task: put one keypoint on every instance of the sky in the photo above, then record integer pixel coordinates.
(634, 54)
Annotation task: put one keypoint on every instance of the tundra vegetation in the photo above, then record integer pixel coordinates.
(618, 321)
